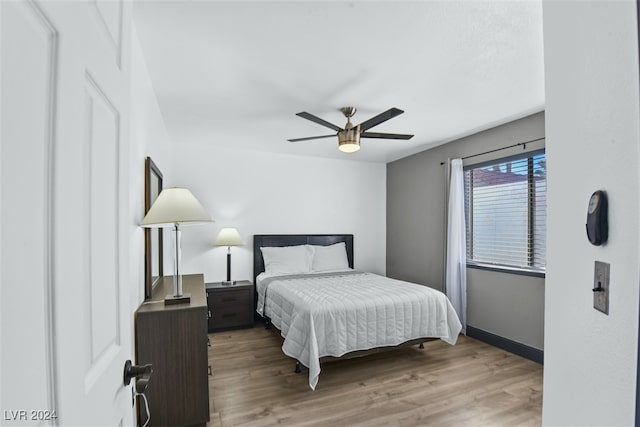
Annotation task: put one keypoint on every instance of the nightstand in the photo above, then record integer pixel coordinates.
(230, 306)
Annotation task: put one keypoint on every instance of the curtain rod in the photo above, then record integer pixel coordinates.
(524, 147)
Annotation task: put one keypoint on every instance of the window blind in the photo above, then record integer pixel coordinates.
(505, 207)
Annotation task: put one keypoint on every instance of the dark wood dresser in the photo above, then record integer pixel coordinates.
(230, 306)
(173, 338)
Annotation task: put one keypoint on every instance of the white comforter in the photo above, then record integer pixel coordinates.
(333, 314)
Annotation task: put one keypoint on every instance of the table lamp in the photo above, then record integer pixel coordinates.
(228, 237)
(176, 207)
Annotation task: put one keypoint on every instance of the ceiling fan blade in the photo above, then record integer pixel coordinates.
(310, 137)
(385, 135)
(318, 120)
(382, 117)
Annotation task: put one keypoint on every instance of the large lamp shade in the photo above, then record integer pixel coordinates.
(175, 207)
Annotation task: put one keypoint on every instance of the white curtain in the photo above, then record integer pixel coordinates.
(456, 269)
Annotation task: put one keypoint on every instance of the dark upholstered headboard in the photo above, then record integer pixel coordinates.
(267, 240)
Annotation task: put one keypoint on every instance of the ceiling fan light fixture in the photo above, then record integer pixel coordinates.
(349, 137)
(349, 146)
(349, 140)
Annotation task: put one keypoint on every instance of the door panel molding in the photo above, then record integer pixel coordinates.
(103, 155)
(33, 146)
(110, 15)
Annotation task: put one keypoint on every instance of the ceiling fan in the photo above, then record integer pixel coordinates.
(349, 136)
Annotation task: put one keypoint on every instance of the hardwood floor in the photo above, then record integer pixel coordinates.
(469, 384)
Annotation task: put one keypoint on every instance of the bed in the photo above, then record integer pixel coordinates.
(306, 287)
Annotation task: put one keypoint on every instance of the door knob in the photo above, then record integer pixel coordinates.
(140, 372)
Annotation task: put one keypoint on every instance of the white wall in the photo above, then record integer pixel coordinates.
(266, 193)
(592, 123)
(149, 137)
(256, 192)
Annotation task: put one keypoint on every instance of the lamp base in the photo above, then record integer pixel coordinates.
(228, 282)
(182, 299)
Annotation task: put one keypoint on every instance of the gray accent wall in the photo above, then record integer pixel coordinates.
(508, 305)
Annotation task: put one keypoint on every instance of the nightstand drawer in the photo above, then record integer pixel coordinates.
(226, 318)
(239, 298)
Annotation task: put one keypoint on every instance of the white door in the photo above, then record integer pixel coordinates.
(65, 301)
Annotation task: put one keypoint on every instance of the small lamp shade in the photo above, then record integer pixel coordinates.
(175, 206)
(228, 237)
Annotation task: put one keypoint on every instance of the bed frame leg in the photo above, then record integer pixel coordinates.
(298, 368)
(421, 346)
(267, 324)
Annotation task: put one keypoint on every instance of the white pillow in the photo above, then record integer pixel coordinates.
(328, 258)
(287, 259)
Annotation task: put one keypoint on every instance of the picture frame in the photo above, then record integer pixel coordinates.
(153, 238)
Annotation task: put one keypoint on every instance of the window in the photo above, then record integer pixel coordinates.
(505, 207)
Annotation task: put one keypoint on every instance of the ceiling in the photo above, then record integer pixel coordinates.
(234, 73)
